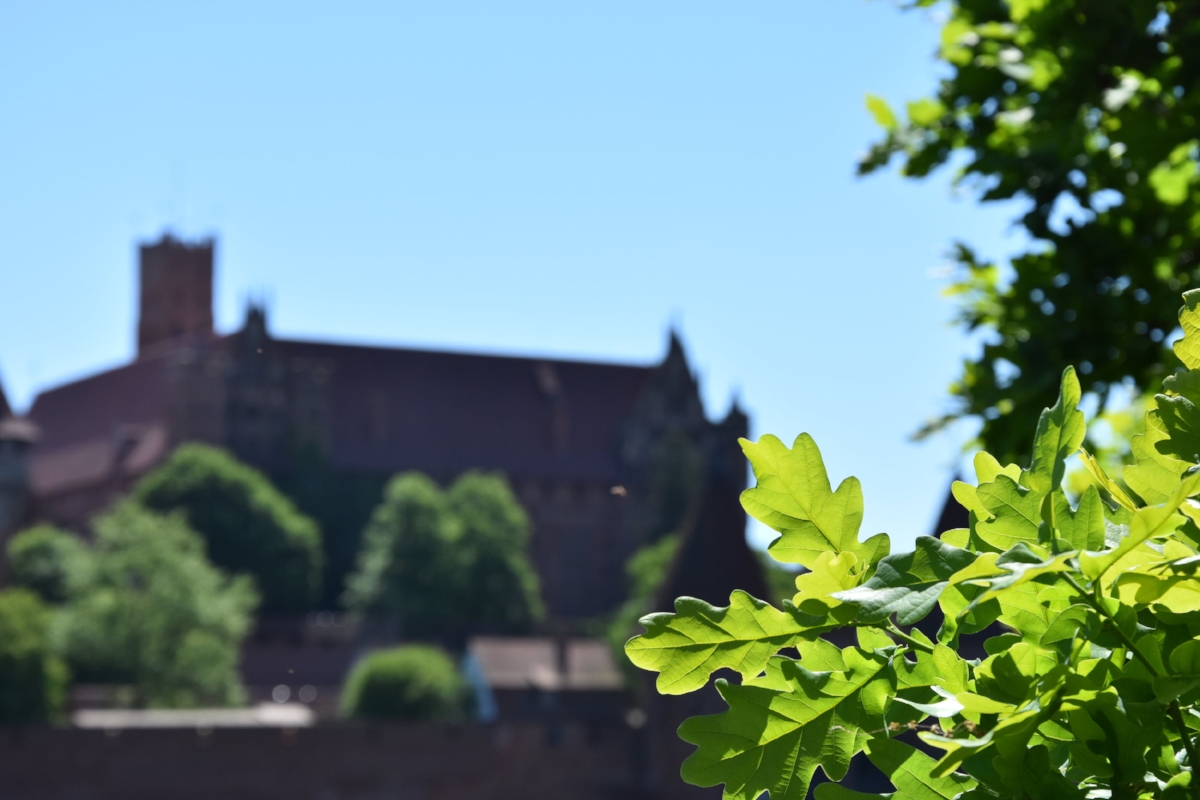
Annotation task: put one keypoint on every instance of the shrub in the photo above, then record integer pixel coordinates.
(32, 680)
(249, 525)
(1092, 689)
(45, 560)
(414, 682)
(153, 613)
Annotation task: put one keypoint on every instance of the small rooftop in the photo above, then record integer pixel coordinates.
(547, 664)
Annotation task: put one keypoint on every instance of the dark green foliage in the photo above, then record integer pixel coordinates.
(1090, 683)
(32, 680)
(408, 683)
(249, 525)
(151, 612)
(43, 559)
(446, 564)
(1066, 104)
(341, 502)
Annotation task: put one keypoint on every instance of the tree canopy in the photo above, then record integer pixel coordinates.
(445, 564)
(249, 525)
(1088, 112)
(45, 560)
(151, 612)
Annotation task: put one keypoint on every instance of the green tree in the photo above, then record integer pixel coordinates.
(1088, 112)
(409, 683)
(44, 559)
(151, 612)
(1092, 689)
(447, 563)
(498, 587)
(33, 680)
(249, 525)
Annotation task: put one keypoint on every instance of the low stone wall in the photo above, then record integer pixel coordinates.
(336, 762)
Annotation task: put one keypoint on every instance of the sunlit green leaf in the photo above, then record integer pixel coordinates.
(779, 729)
(907, 585)
(698, 639)
(793, 496)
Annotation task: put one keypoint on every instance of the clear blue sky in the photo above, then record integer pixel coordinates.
(521, 177)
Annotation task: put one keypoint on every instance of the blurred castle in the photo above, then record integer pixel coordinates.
(604, 457)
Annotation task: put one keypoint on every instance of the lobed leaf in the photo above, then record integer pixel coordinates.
(1188, 347)
(793, 496)
(909, 584)
(1060, 432)
(686, 647)
(780, 728)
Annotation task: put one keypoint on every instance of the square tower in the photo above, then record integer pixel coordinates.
(176, 280)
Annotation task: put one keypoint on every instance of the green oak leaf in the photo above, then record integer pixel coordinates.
(1188, 348)
(781, 727)
(987, 468)
(1185, 382)
(1031, 608)
(1181, 420)
(908, 584)
(1083, 527)
(966, 496)
(1015, 510)
(1154, 476)
(1021, 565)
(793, 497)
(1148, 522)
(686, 647)
(1106, 483)
(1060, 432)
(831, 573)
(909, 770)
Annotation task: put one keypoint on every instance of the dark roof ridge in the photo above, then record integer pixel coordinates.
(532, 358)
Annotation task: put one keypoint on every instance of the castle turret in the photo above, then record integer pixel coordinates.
(176, 285)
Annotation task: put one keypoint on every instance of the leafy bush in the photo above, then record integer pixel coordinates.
(1092, 690)
(249, 525)
(151, 612)
(447, 563)
(32, 680)
(43, 559)
(414, 682)
(1085, 113)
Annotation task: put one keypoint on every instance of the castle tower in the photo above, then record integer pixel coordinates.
(176, 280)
